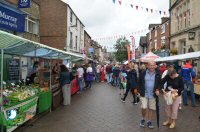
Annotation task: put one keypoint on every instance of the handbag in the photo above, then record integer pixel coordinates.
(168, 97)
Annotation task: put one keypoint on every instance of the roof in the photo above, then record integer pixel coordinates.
(15, 45)
(153, 25)
(143, 40)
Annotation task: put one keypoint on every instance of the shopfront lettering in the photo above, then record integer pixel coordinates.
(7, 17)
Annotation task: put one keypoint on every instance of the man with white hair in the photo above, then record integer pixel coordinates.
(149, 86)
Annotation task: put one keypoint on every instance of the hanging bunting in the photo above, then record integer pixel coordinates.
(142, 8)
(164, 13)
(185, 14)
(120, 2)
(136, 7)
(147, 9)
(151, 10)
(131, 6)
(114, 1)
(160, 12)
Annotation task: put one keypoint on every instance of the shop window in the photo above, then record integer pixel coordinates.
(163, 40)
(32, 26)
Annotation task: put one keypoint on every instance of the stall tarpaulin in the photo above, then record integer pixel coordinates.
(149, 57)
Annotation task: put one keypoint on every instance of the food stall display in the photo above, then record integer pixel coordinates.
(19, 104)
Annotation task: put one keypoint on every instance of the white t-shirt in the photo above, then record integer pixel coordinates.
(80, 72)
(89, 69)
(98, 68)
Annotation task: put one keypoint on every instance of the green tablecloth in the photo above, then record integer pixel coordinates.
(45, 101)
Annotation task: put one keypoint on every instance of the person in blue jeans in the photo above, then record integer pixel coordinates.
(80, 72)
(188, 74)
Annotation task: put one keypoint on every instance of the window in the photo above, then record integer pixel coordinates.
(71, 16)
(155, 33)
(163, 28)
(188, 12)
(150, 45)
(184, 47)
(71, 41)
(163, 40)
(32, 26)
(76, 43)
(156, 44)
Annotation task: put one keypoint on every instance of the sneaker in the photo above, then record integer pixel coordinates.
(173, 125)
(142, 123)
(150, 125)
(122, 100)
(166, 123)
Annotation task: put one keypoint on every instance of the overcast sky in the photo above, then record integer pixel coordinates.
(103, 18)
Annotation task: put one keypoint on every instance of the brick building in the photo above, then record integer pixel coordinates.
(87, 42)
(60, 27)
(158, 37)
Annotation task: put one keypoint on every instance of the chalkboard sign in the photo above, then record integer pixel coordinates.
(13, 69)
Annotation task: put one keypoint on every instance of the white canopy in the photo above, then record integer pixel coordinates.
(149, 57)
(192, 55)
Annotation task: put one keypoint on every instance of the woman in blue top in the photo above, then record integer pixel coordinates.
(65, 80)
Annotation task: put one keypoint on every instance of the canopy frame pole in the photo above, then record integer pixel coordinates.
(50, 77)
(2, 52)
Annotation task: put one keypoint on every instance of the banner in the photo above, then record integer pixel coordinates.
(133, 48)
(129, 53)
(24, 4)
(11, 20)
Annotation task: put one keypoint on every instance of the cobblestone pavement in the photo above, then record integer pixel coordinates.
(100, 110)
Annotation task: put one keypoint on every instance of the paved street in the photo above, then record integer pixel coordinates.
(100, 110)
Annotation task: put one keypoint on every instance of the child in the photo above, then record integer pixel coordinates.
(122, 83)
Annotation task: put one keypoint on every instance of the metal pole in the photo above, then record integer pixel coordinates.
(1, 98)
(50, 77)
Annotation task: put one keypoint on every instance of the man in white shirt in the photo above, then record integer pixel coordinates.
(80, 72)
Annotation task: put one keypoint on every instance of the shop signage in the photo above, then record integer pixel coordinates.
(11, 20)
(24, 4)
(13, 69)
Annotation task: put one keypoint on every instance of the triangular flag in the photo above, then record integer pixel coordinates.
(142, 8)
(151, 10)
(131, 5)
(114, 1)
(136, 7)
(164, 13)
(160, 12)
(147, 9)
(120, 2)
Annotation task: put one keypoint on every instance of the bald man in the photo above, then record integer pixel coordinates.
(149, 86)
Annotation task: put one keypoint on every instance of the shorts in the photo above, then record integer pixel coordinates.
(148, 103)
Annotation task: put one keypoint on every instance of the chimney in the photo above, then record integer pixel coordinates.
(164, 19)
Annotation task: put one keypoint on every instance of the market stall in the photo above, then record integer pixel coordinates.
(19, 102)
(149, 57)
(183, 57)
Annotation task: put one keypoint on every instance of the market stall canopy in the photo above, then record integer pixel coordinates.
(149, 57)
(192, 55)
(15, 45)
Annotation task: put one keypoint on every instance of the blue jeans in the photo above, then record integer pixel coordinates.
(185, 96)
(89, 84)
(80, 81)
(110, 77)
(98, 76)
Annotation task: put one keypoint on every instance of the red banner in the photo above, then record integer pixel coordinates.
(129, 53)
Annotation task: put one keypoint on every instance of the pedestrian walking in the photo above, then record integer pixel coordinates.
(90, 76)
(80, 72)
(65, 80)
(98, 75)
(149, 86)
(109, 73)
(102, 73)
(116, 72)
(172, 96)
(188, 74)
(132, 84)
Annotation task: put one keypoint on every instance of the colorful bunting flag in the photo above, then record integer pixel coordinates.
(136, 7)
(131, 5)
(147, 9)
(120, 2)
(151, 10)
(160, 12)
(114, 1)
